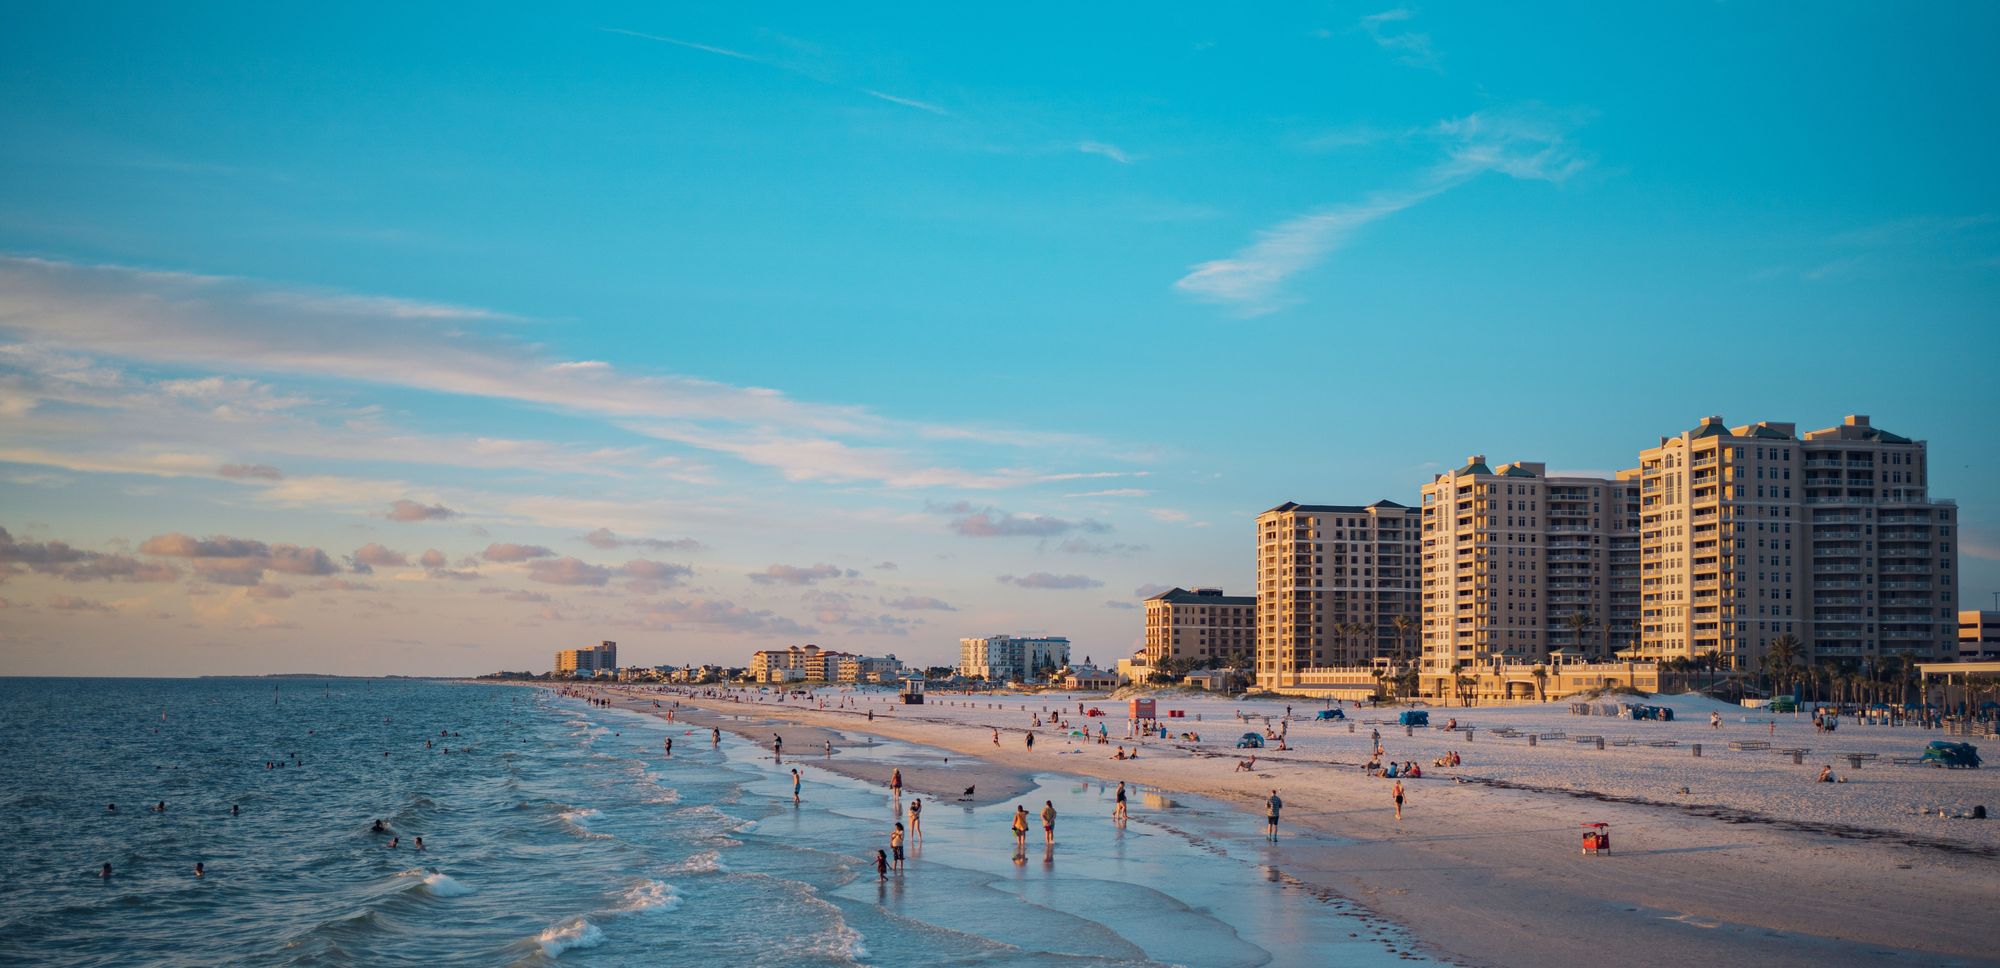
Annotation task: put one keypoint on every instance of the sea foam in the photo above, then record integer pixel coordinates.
(562, 936)
(649, 895)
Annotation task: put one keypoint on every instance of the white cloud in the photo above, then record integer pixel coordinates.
(1110, 151)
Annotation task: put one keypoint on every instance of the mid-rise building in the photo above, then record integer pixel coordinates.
(1517, 564)
(1012, 658)
(1331, 582)
(602, 658)
(1754, 533)
(810, 663)
(1202, 625)
(1978, 636)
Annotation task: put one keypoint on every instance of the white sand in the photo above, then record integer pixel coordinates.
(1492, 874)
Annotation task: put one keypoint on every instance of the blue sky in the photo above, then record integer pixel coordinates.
(1040, 306)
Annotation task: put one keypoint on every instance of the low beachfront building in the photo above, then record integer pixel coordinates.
(1086, 677)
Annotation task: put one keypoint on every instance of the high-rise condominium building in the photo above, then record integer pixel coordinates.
(1200, 625)
(1754, 533)
(1978, 636)
(600, 658)
(1331, 581)
(1010, 657)
(1516, 563)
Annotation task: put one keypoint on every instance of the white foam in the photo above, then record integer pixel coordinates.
(576, 932)
(442, 885)
(707, 861)
(578, 819)
(649, 895)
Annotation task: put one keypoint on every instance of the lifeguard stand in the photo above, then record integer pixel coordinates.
(913, 692)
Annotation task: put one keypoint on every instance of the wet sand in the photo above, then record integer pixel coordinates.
(1486, 875)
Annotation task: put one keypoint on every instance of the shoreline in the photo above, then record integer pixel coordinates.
(1484, 872)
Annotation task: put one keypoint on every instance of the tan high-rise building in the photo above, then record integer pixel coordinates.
(1203, 626)
(600, 658)
(1516, 563)
(1753, 533)
(1331, 581)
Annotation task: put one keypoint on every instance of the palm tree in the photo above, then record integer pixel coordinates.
(1404, 626)
(1464, 684)
(1783, 653)
(1577, 623)
(1541, 673)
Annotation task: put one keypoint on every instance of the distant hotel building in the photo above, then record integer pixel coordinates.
(1517, 564)
(1009, 658)
(1751, 533)
(1978, 636)
(810, 663)
(588, 662)
(1331, 581)
(1200, 625)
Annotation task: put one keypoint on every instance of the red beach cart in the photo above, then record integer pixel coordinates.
(1597, 838)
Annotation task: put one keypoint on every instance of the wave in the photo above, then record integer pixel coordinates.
(576, 932)
(706, 862)
(649, 895)
(438, 883)
(578, 820)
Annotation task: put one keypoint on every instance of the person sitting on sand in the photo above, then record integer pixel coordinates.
(1391, 771)
(1826, 773)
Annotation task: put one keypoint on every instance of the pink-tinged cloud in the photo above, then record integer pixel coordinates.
(919, 603)
(800, 575)
(433, 558)
(262, 472)
(717, 615)
(447, 574)
(606, 539)
(71, 603)
(660, 573)
(377, 556)
(568, 571)
(1048, 582)
(510, 553)
(177, 545)
(988, 522)
(407, 510)
(268, 591)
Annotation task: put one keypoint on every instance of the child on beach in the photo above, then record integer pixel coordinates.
(881, 866)
(896, 848)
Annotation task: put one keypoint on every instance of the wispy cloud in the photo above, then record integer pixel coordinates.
(1410, 47)
(1110, 151)
(1045, 581)
(776, 64)
(1525, 143)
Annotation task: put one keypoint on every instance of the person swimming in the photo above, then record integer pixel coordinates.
(395, 842)
(379, 828)
(198, 871)
(160, 807)
(235, 809)
(106, 871)
(110, 808)
(420, 843)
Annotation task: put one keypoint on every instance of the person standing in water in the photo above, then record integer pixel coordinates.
(198, 871)
(778, 747)
(896, 848)
(881, 865)
(1048, 822)
(1271, 808)
(795, 784)
(670, 746)
(1020, 828)
(1118, 811)
(917, 819)
(896, 782)
(105, 872)
(715, 736)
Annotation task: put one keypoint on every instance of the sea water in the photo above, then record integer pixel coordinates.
(556, 831)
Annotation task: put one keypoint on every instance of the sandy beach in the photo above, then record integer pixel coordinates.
(1755, 864)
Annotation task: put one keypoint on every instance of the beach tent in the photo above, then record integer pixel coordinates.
(1251, 741)
(1952, 755)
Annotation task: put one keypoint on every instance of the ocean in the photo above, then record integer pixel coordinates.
(558, 832)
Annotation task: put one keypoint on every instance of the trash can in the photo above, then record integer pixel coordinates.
(1600, 742)
(1531, 739)
(1697, 750)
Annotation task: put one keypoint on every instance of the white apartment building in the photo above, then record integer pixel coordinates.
(1011, 658)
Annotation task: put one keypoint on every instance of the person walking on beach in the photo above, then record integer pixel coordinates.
(996, 736)
(917, 820)
(1020, 828)
(1271, 808)
(896, 782)
(1397, 792)
(1031, 742)
(1118, 810)
(1048, 822)
(795, 784)
(1714, 720)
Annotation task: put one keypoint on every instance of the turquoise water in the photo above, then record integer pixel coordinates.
(558, 832)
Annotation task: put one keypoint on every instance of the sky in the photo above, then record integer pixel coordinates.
(428, 340)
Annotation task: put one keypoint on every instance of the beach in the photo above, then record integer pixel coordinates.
(1755, 863)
